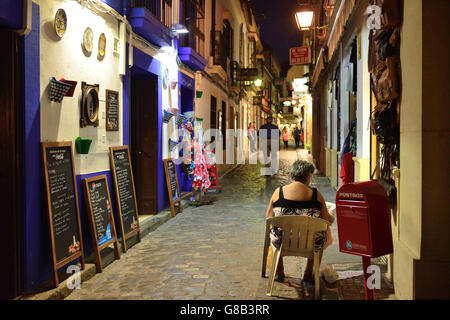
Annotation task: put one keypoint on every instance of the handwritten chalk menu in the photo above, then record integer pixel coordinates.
(62, 204)
(101, 218)
(172, 185)
(125, 192)
(101, 210)
(172, 179)
(112, 110)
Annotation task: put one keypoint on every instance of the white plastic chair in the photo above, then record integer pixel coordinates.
(298, 240)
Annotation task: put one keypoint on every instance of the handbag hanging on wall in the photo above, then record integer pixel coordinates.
(385, 80)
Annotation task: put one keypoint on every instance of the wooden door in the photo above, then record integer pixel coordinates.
(144, 135)
(10, 163)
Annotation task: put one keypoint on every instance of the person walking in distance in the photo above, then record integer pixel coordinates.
(251, 137)
(296, 135)
(268, 135)
(285, 138)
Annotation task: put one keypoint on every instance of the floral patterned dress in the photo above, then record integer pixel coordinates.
(311, 208)
(201, 174)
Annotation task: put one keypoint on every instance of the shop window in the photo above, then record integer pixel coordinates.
(224, 124)
(252, 52)
(193, 19)
(166, 12)
(213, 116)
(150, 5)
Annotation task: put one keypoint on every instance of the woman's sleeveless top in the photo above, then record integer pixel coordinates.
(310, 208)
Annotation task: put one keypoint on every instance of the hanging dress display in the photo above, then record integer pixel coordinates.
(201, 174)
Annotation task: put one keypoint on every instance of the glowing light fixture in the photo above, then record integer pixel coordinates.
(304, 17)
(258, 82)
(178, 28)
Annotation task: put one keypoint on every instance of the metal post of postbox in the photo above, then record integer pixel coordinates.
(367, 291)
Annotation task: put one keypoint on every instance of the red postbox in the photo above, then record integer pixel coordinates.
(364, 222)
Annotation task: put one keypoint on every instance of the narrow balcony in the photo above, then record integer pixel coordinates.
(144, 18)
(189, 45)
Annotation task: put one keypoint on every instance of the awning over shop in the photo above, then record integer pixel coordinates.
(320, 65)
(338, 26)
(335, 32)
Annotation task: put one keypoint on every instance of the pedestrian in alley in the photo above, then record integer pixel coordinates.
(251, 137)
(298, 198)
(269, 134)
(285, 138)
(302, 138)
(296, 135)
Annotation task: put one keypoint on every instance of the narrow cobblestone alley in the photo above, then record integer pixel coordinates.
(212, 251)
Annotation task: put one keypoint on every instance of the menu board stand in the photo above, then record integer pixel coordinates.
(101, 217)
(62, 204)
(172, 185)
(119, 158)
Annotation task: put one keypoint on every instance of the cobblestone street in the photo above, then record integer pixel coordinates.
(215, 251)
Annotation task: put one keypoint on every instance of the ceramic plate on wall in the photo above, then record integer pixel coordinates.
(88, 38)
(60, 23)
(101, 45)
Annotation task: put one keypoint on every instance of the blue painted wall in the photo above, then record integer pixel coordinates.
(126, 102)
(147, 66)
(85, 229)
(36, 243)
(117, 5)
(187, 86)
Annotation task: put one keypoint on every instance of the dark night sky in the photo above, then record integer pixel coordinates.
(278, 29)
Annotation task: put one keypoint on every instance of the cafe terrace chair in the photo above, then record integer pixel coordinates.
(297, 240)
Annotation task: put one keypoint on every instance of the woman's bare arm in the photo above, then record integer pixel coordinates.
(269, 212)
(326, 214)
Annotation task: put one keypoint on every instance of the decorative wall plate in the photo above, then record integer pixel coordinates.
(101, 45)
(60, 23)
(88, 39)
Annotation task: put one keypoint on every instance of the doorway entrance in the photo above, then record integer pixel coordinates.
(144, 142)
(10, 163)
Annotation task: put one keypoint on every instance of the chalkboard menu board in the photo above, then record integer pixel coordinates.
(112, 110)
(101, 218)
(172, 184)
(125, 192)
(62, 204)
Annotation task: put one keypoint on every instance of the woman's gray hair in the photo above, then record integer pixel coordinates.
(301, 170)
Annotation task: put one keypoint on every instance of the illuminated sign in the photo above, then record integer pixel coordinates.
(300, 55)
(299, 84)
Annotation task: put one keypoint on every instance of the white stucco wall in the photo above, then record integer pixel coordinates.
(64, 58)
(363, 99)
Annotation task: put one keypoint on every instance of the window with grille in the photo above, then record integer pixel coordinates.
(166, 12)
(252, 52)
(193, 18)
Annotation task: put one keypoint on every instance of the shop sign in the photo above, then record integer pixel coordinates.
(300, 55)
(247, 74)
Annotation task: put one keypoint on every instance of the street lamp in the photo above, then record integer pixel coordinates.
(304, 18)
(178, 29)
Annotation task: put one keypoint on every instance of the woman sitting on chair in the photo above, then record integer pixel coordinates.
(297, 198)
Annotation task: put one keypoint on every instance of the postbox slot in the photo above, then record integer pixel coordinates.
(354, 236)
(360, 201)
